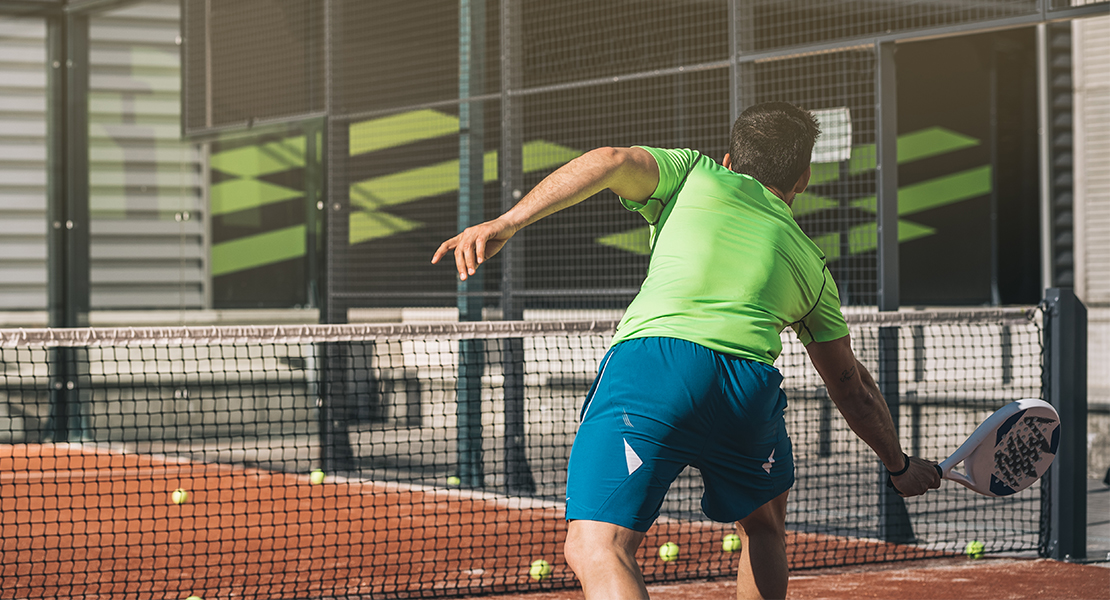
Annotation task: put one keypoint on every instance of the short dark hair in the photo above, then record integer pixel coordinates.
(772, 142)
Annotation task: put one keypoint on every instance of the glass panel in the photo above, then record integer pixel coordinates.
(264, 220)
(145, 189)
(23, 171)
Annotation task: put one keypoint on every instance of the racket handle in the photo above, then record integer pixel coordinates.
(939, 471)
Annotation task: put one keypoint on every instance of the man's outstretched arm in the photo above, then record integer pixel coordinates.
(858, 398)
(631, 173)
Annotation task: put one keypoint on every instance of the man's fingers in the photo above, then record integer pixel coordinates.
(480, 250)
(470, 248)
(444, 248)
(460, 261)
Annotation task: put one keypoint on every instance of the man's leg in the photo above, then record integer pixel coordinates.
(603, 556)
(763, 571)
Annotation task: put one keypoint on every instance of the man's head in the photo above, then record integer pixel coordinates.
(772, 142)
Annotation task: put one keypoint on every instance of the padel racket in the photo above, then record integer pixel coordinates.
(1008, 451)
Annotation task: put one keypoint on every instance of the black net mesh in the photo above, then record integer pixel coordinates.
(442, 452)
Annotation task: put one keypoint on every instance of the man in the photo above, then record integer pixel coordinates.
(689, 377)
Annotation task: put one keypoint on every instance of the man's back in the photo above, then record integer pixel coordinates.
(730, 268)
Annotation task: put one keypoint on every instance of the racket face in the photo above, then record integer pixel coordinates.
(1018, 454)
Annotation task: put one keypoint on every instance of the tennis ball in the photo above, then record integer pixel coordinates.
(731, 543)
(452, 480)
(540, 569)
(194, 598)
(974, 549)
(668, 551)
(316, 477)
(179, 496)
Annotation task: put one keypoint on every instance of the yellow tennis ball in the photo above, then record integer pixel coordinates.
(194, 598)
(452, 480)
(316, 477)
(974, 549)
(668, 551)
(731, 543)
(179, 496)
(540, 569)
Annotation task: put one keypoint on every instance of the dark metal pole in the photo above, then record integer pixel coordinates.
(468, 388)
(894, 520)
(68, 212)
(336, 389)
(1065, 331)
(518, 475)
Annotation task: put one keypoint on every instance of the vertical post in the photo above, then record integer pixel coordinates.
(886, 149)
(1055, 100)
(1065, 331)
(1044, 154)
(336, 390)
(996, 295)
(518, 475)
(314, 210)
(67, 211)
(894, 520)
(741, 24)
(510, 156)
(468, 388)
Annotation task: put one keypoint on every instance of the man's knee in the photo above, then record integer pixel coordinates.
(591, 543)
(769, 519)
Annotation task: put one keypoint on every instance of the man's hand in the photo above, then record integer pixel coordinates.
(475, 245)
(921, 477)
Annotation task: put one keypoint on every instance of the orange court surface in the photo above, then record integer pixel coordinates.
(84, 522)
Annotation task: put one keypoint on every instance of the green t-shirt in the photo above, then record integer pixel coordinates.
(730, 268)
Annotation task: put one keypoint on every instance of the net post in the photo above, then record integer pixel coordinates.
(1065, 387)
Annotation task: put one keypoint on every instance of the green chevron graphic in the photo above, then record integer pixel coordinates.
(934, 193)
(368, 220)
(636, 241)
(371, 195)
(263, 159)
(864, 238)
(258, 250)
(937, 192)
(243, 194)
(401, 129)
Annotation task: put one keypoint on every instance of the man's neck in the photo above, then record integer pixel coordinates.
(787, 198)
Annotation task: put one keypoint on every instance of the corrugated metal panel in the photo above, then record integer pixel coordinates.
(22, 164)
(146, 185)
(1092, 128)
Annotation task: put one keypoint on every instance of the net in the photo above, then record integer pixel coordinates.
(443, 449)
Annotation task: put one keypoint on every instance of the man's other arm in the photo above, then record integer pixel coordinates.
(631, 173)
(859, 400)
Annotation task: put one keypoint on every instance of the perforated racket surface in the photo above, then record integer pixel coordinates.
(1009, 451)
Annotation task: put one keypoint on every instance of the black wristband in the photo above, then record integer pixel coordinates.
(903, 470)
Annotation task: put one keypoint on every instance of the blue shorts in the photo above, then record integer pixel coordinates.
(660, 404)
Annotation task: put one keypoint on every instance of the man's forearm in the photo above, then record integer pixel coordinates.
(577, 180)
(869, 417)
